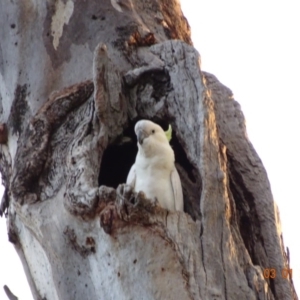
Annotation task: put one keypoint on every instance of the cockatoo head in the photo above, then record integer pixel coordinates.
(150, 135)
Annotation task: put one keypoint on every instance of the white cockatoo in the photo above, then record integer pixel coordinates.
(154, 171)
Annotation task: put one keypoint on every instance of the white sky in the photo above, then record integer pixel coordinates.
(253, 47)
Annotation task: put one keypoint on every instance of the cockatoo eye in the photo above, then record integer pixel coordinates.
(153, 131)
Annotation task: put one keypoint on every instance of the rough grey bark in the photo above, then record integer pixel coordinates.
(75, 77)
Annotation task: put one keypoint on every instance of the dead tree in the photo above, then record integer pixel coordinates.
(75, 78)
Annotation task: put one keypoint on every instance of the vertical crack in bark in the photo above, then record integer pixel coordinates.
(4, 203)
(247, 215)
(20, 111)
(203, 261)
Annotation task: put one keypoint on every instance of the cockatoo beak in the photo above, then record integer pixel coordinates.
(141, 135)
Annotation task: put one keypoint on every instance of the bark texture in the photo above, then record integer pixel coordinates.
(75, 76)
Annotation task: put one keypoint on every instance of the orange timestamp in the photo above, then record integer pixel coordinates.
(271, 273)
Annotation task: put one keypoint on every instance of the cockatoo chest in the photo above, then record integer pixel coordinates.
(153, 177)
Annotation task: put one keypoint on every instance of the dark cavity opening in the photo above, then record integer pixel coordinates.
(118, 159)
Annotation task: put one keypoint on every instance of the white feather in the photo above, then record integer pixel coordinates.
(131, 176)
(154, 171)
(177, 190)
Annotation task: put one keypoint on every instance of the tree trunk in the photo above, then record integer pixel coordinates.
(75, 78)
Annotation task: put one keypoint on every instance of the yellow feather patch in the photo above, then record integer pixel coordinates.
(168, 133)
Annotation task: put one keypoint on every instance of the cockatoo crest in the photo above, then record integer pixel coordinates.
(168, 133)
